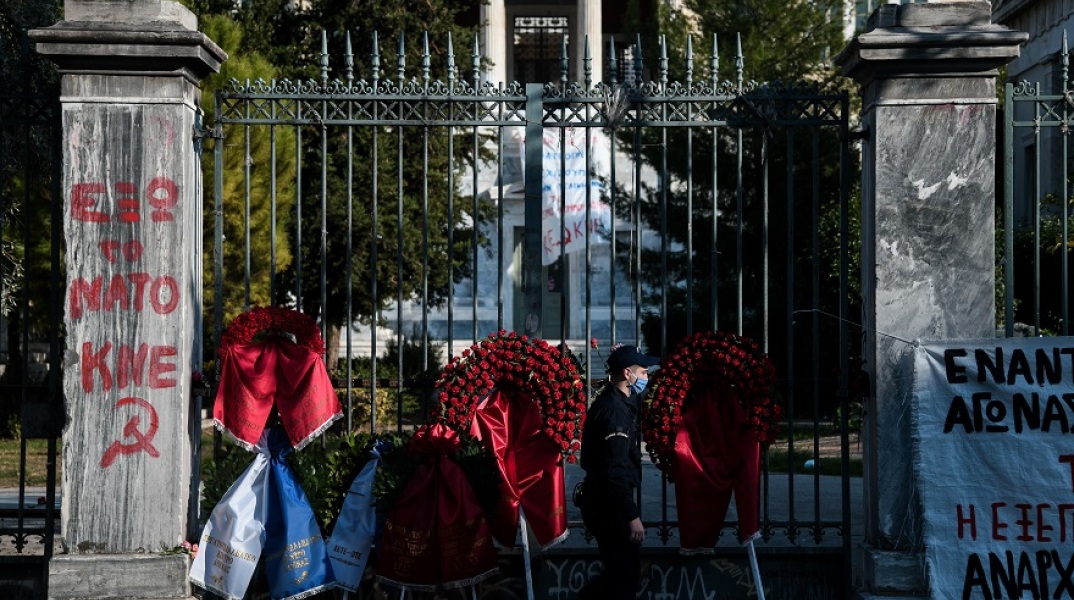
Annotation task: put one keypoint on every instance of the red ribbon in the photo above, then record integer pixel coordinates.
(255, 377)
(531, 468)
(436, 534)
(717, 453)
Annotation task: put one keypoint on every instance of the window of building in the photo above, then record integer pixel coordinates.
(538, 44)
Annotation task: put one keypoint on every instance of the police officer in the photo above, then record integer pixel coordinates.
(612, 463)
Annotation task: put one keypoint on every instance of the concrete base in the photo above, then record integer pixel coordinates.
(892, 573)
(119, 577)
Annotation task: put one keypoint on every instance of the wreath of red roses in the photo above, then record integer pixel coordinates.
(267, 321)
(506, 360)
(710, 357)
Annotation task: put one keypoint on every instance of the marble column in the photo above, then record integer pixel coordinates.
(494, 40)
(928, 82)
(132, 201)
(591, 24)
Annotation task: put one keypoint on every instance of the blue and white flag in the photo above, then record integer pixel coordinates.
(234, 537)
(296, 556)
(349, 545)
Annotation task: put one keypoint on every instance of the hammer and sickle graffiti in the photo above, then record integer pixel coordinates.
(143, 440)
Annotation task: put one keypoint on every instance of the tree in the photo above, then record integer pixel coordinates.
(268, 255)
(413, 225)
(713, 275)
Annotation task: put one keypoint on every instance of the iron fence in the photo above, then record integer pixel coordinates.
(414, 216)
(31, 413)
(1036, 211)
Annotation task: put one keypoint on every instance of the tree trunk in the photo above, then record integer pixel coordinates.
(331, 356)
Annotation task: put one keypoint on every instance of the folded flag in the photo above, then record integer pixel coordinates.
(296, 556)
(234, 536)
(348, 548)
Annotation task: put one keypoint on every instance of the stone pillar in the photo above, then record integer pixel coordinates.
(928, 77)
(494, 40)
(132, 220)
(591, 24)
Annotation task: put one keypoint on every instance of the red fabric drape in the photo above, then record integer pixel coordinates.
(717, 454)
(531, 468)
(436, 535)
(255, 377)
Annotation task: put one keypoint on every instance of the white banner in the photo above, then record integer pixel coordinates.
(564, 182)
(994, 460)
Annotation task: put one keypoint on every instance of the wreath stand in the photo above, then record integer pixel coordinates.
(758, 585)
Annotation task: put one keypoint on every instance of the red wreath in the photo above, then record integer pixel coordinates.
(710, 358)
(262, 322)
(525, 401)
(711, 414)
(270, 358)
(513, 363)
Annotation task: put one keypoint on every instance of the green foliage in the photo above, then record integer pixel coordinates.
(269, 253)
(1043, 251)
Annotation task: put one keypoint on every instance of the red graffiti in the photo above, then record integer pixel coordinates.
(87, 199)
(123, 292)
(128, 368)
(143, 440)
(131, 251)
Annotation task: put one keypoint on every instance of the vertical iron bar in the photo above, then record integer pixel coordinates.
(298, 213)
(531, 252)
(714, 252)
(425, 208)
(374, 239)
(689, 188)
(451, 201)
(635, 267)
(844, 315)
(563, 133)
(1037, 197)
(349, 309)
(739, 196)
(272, 207)
(500, 242)
(323, 283)
(792, 529)
(399, 251)
(818, 529)
(1008, 208)
(663, 198)
(1064, 199)
(246, 163)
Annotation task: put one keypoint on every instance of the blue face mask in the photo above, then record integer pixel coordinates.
(639, 385)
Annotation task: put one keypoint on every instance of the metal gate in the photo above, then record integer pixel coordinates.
(31, 284)
(414, 215)
(1036, 213)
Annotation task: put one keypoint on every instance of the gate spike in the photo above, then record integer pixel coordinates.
(588, 62)
(425, 58)
(476, 60)
(348, 60)
(714, 62)
(689, 61)
(450, 62)
(375, 61)
(324, 56)
(638, 60)
(740, 61)
(613, 62)
(401, 58)
(663, 61)
(1065, 63)
(563, 63)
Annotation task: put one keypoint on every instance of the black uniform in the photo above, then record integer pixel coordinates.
(612, 463)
